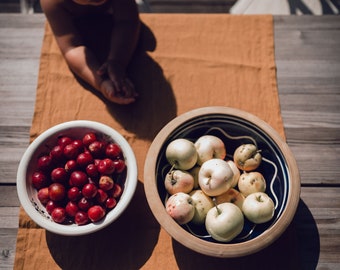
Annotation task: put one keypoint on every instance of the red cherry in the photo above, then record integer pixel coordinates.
(43, 195)
(71, 151)
(45, 163)
(57, 153)
(78, 179)
(116, 191)
(89, 190)
(59, 175)
(106, 182)
(71, 165)
(78, 144)
(92, 170)
(74, 194)
(64, 140)
(84, 159)
(50, 206)
(71, 208)
(106, 166)
(119, 165)
(57, 192)
(84, 204)
(58, 214)
(96, 213)
(113, 150)
(97, 149)
(101, 196)
(89, 138)
(39, 180)
(81, 218)
(110, 202)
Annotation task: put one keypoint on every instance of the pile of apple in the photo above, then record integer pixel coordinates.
(208, 190)
(79, 180)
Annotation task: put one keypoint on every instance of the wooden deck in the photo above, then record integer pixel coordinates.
(308, 67)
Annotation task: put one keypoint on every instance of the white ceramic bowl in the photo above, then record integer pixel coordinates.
(234, 127)
(28, 194)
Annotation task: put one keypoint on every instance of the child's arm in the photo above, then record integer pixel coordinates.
(79, 58)
(124, 38)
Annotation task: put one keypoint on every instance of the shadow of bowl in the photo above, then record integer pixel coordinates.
(133, 235)
(297, 248)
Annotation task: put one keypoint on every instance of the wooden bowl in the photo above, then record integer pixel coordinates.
(234, 127)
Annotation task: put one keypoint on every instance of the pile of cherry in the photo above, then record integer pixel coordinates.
(80, 180)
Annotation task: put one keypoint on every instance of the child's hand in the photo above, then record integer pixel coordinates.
(118, 88)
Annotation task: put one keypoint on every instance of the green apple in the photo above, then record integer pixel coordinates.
(224, 222)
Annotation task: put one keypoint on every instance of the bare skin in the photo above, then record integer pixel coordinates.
(109, 77)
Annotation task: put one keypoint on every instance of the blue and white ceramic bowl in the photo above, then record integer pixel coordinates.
(234, 127)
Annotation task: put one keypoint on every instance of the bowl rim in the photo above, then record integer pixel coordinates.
(202, 246)
(129, 189)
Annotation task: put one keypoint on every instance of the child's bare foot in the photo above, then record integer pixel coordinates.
(122, 95)
(117, 88)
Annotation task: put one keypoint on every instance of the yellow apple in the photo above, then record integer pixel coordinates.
(215, 177)
(203, 203)
(247, 157)
(180, 207)
(233, 196)
(208, 147)
(181, 153)
(224, 222)
(258, 207)
(178, 181)
(251, 182)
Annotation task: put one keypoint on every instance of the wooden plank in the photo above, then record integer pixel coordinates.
(20, 45)
(316, 163)
(317, 224)
(7, 248)
(307, 57)
(9, 196)
(9, 217)
(315, 23)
